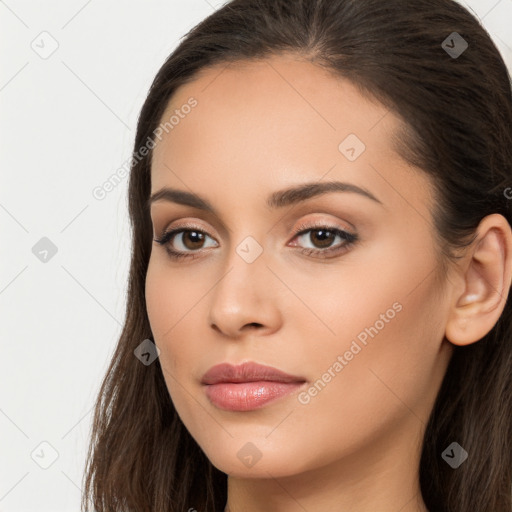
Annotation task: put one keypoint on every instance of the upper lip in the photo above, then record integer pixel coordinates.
(247, 372)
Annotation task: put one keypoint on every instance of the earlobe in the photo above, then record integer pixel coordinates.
(486, 273)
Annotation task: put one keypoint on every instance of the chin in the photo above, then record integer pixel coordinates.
(246, 459)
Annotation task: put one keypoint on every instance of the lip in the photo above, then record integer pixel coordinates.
(247, 386)
(247, 372)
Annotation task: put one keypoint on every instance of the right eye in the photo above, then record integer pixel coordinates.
(189, 241)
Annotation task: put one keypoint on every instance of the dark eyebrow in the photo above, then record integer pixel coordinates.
(277, 199)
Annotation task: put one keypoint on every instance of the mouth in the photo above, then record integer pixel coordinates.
(247, 386)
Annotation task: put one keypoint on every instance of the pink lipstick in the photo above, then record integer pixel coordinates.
(247, 386)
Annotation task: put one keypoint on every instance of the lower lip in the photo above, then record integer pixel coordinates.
(246, 396)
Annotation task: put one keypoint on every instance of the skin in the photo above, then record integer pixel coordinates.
(264, 126)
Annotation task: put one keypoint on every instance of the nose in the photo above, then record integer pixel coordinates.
(246, 299)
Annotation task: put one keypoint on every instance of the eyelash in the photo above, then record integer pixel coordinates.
(349, 240)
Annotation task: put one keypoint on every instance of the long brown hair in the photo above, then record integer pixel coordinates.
(457, 113)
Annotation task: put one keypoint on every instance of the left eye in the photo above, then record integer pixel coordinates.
(323, 237)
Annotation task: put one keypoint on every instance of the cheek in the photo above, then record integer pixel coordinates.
(175, 302)
(171, 296)
(169, 303)
(389, 347)
(385, 324)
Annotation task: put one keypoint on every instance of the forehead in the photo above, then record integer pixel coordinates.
(277, 93)
(272, 123)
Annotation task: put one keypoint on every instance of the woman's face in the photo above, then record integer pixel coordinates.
(361, 323)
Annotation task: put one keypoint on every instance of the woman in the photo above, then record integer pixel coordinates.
(318, 312)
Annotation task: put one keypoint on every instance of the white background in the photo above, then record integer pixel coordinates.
(67, 124)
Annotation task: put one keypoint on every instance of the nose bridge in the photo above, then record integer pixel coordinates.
(245, 271)
(245, 292)
(247, 254)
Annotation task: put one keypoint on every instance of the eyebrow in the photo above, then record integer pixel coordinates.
(277, 199)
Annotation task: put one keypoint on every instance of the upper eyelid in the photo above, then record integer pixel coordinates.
(346, 225)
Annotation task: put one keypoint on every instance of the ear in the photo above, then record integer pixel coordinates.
(484, 276)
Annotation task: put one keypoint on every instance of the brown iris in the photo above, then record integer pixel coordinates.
(192, 239)
(325, 237)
